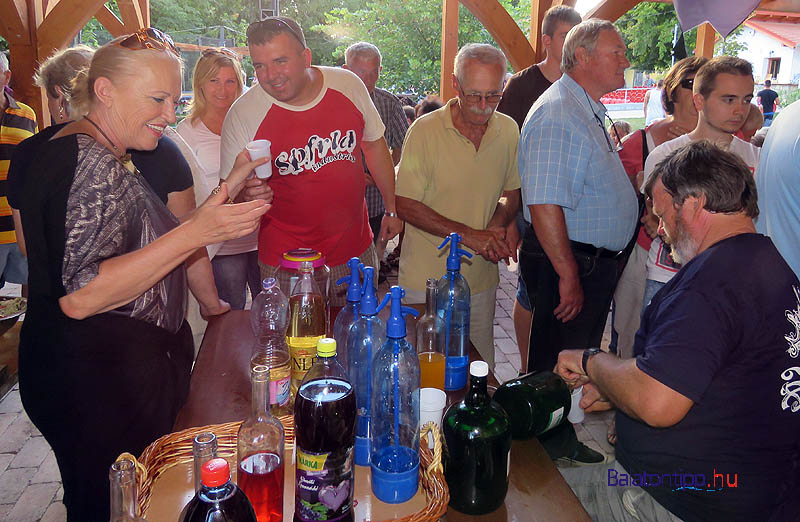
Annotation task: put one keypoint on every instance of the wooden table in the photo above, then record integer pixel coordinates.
(220, 392)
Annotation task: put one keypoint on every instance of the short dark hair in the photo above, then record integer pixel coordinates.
(560, 14)
(703, 168)
(264, 31)
(767, 83)
(677, 73)
(706, 78)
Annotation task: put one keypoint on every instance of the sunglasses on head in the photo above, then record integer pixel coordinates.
(149, 38)
(220, 51)
(276, 25)
(688, 83)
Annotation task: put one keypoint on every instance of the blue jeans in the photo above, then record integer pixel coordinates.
(651, 288)
(233, 274)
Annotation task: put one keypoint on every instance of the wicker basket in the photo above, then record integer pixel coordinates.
(176, 448)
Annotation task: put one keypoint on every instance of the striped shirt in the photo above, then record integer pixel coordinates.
(565, 159)
(17, 122)
(396, 123)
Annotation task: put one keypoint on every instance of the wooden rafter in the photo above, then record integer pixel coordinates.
(131, 12)
(14, 21)
(64, 22)
(538, 9)
(611, 9)
(110, 21)
(504, 30)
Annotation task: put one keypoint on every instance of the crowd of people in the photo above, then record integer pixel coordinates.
(119, 216)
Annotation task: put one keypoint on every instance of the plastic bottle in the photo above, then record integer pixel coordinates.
(430, 341)
(452, 306)
(269, 318)
(365, 338)
(219, 499)
(477, 438)
(122, 476)
(395, 410)
(349, 314)
(324, 419)
(306, 324)
(535, 403)
(259, 445)
(288, 273)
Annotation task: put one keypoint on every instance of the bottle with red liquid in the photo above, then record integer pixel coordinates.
(219, 499)
(260, 452)
(325, 424)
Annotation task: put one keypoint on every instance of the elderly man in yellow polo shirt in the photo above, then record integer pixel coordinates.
(458, 173)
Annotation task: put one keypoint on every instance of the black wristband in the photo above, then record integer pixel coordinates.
(588, 354)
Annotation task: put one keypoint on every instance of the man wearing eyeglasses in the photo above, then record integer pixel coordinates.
(576, 195)
(319, 121)
(458, 173)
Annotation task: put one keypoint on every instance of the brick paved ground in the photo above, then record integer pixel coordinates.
(30, 487)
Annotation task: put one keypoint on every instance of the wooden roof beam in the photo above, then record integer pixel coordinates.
(504, 30)
(611, 10)
(64, 22)
(109, 20)
(14, 22)
(131, 12)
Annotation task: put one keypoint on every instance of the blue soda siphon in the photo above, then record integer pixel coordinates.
(349, 313)
(395, 409)
(452, 306)
(364, 339)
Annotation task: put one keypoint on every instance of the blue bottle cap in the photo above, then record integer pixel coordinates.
(454, 258)
(369, 299)
(363, 450)
(354, 286)
(396, 324)
(395, 488)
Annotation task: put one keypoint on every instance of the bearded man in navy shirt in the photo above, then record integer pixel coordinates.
(708, 410)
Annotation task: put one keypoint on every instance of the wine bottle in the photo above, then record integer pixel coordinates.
(535, 403)
(477, 443)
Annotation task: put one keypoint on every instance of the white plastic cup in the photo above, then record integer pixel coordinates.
(431, 407)
(576, 414)
(260, 149)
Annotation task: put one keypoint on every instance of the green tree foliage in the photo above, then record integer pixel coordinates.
(647, 30)
(408, 34)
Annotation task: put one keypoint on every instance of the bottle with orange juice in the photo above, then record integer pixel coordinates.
(430, 341)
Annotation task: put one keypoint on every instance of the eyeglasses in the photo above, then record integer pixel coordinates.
(220, 51)
(688, 83)
(276, 24)
(476, 98)
(611, 147)
(149, 38)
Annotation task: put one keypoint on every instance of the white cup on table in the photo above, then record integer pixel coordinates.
(261, 149)
(576, 414)
(431, 407)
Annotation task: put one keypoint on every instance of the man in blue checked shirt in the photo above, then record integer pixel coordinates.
(582, 207)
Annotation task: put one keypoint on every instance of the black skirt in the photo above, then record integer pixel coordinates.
(96, 388)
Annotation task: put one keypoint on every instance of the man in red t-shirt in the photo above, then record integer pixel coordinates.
(319, 120)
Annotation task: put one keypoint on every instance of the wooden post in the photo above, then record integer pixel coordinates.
(706, 36)
(538, 9)
(449, 48)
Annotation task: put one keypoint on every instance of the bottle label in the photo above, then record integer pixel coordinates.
(279, 391)
(555, 418)
(324, 485)
(303, 351)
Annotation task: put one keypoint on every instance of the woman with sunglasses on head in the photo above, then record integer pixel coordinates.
(217, 83)
(105, 352)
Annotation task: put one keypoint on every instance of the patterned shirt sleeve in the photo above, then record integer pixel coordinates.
(99, 210)
(393, 117)
(553, 159)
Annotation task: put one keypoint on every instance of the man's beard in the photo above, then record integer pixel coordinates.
(683, 247)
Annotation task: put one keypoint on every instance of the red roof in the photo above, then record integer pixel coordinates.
(787, 33)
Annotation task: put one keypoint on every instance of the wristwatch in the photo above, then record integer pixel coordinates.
(588, 354)
(391, 214)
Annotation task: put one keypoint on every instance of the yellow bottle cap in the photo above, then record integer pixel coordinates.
(326, 347)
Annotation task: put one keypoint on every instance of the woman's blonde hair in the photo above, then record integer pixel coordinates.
(114, 62)
(210, 62)
(60, 69)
